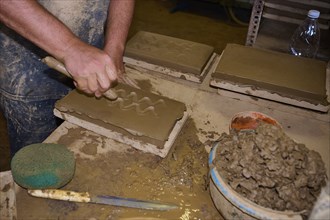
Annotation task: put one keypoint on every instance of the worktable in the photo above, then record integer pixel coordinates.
(211, 111)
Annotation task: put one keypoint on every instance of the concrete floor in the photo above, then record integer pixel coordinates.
(204, 22)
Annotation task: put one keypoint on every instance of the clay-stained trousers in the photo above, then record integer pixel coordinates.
(29, 89)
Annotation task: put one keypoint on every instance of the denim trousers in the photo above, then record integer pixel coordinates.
(28, 88)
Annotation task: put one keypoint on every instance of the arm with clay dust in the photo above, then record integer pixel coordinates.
(118, 23)
(89, 66)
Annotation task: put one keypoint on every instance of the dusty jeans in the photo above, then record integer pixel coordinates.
(29, 88)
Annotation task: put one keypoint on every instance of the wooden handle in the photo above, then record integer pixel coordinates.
(60, 195)
(57, 65)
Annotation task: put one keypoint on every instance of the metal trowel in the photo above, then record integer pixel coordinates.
(72, 196)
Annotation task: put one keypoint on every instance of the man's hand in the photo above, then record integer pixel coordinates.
(93, 71)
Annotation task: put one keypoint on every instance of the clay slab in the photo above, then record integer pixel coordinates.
(138, 114)
(281, 74)
(169, 52)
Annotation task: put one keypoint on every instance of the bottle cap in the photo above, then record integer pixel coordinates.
(313, 13)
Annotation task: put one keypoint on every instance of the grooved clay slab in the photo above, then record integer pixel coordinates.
(291, 77)
(170, 52)
(136, 114)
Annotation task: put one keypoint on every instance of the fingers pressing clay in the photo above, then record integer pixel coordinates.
(123, 78)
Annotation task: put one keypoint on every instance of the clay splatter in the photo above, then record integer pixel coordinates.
(179, 179)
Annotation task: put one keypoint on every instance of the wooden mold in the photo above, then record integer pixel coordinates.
(170, 56)
(274, 76)
(141, 119)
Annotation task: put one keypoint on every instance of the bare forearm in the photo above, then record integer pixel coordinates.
(118, 24)
(93, 70)
(31, 20)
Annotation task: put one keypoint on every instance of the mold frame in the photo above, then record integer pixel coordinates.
(140, 145)
(264, 94)
(172, 72)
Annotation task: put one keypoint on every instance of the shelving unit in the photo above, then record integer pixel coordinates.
(273, 22)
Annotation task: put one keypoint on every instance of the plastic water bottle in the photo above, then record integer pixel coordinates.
(305, 40)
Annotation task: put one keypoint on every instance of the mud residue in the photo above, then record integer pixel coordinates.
(6, 188)
(90, 150)
(270, 169)
(180, 178)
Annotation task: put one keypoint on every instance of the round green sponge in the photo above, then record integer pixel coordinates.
(42, 166)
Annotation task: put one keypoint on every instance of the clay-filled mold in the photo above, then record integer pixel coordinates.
(137, 114)
(298, 78)
(170, 52)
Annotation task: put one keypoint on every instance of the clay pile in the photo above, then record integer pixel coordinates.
(270, 169)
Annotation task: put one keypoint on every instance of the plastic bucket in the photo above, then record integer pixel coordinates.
(231, 204)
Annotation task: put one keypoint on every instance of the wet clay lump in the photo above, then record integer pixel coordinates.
(270, 169)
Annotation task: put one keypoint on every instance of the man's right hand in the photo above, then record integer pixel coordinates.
(93, 71)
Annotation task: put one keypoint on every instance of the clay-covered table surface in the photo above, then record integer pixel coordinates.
(109, 168)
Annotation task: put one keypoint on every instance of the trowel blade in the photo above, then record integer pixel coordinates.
(132, 203)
